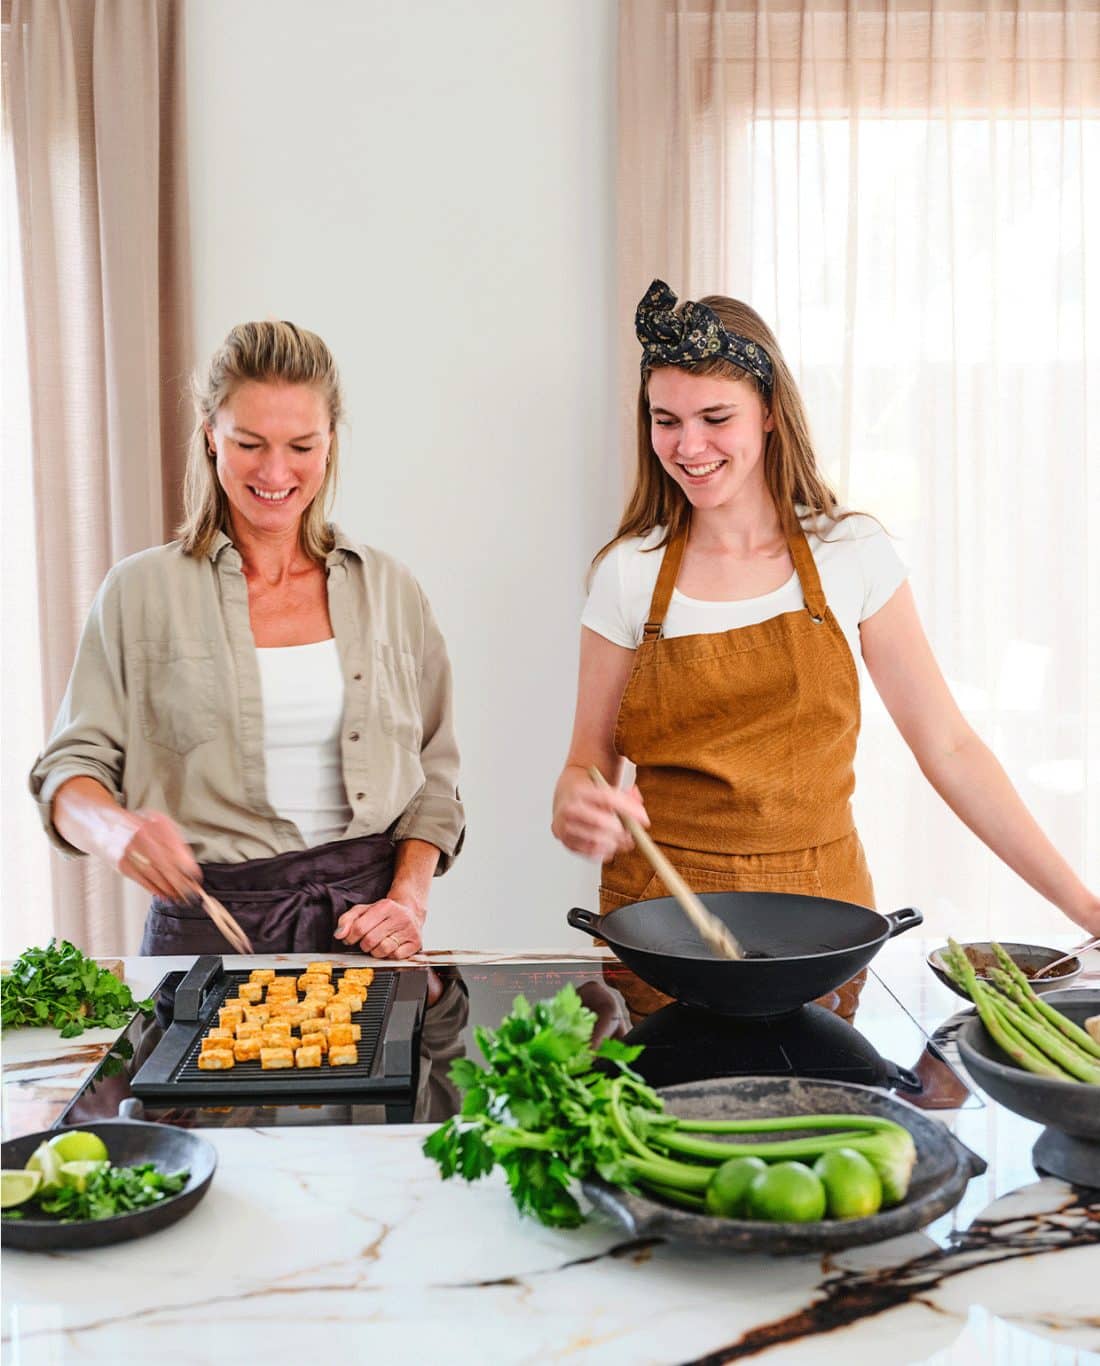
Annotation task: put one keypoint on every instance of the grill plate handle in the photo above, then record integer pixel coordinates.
(191, 992)
(397, 1047)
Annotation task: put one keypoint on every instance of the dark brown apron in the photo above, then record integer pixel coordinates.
(286, 904)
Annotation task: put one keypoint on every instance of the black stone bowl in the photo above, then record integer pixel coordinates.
(1072, 1107)
(943, 1168)
(1032, 956)
(128, 1143)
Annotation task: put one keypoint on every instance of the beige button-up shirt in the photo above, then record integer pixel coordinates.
(164, 706)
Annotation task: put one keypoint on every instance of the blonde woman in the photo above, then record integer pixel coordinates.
(262, 706)
(719, 643)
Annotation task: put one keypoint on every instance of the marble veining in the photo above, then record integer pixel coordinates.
(344, 1243)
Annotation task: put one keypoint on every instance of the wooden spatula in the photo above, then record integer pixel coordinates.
(711, 930)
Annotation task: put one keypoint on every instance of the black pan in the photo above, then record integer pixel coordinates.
(807, 945)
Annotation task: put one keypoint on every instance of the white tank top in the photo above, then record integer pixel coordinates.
(303, 701)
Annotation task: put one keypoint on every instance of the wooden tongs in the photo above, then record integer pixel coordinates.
(711, 930)
(215, 910)
(225, 922)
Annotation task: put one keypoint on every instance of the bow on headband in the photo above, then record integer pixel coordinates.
(695, 333)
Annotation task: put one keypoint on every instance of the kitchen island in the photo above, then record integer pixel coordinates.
(342, 1242)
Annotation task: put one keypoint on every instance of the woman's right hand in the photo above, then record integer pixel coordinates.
(586, 817)
(150, 851)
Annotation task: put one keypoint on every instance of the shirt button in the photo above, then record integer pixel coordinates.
(357, 677)
(359, 796)
(354, 735)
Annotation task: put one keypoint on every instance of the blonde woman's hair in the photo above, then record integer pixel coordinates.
(790, 465)
(265, 353)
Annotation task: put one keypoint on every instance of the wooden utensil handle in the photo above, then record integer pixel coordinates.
(711, 929)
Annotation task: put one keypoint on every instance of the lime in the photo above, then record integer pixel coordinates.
(852, 1186)
(725, 1194)
(46, 1161)
(78, 1145)
(77, 1173)
(17, 1187)
(788, 1192)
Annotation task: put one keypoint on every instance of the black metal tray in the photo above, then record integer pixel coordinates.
(389, 1021)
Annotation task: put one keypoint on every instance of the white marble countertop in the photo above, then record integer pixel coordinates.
(345, 1244)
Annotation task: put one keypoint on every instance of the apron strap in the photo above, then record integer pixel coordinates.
(808, 577)
(666, 582)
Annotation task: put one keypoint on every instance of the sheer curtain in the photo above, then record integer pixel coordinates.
(95, 223)
(909, 193)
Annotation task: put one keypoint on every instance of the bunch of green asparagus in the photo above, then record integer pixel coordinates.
(1033, 1034)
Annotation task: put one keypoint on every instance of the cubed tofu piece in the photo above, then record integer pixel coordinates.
(337, 1013)
(216, 1060)
(342, 1034)
(220, 1035)
(323, 991)
(309, 979)
(324, 967)
(350, 998)
(248, 1030)
(281, 986)
(262, 975)
(273, 1035)
(234, 1003)
(312, 1026)
(252, 992)
(307, 1055)
(342, 1055)
(229, 1017)
(363, 975)
(257, 1014)
(276, 1057)
(248, 1050)
(312, 1010)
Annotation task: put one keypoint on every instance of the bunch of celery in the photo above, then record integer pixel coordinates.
(1033, 1034)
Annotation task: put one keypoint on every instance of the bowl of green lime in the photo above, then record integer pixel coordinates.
(105, 1183)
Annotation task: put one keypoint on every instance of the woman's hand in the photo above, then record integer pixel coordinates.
(149, 850)
(586, 816)
(389, 928)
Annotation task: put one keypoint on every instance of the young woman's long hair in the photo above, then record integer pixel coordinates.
(267, 353)
(790, 466)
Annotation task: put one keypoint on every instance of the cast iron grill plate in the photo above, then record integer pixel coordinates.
(389, 1024)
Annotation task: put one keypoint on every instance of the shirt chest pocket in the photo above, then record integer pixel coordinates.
(175, 687)
(399, 695)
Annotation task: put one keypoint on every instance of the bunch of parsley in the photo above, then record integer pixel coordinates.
(543, 1111)
(60, 988)
(110, 1191)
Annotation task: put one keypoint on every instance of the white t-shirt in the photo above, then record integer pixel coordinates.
(303, 700)
(860, 571)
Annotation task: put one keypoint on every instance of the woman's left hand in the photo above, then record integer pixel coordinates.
(389, 928)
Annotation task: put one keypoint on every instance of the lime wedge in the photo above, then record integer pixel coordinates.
(46, 1162)
(17, 1187)
(77, 1173)
(77, 1145)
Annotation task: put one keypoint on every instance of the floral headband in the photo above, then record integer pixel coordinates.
(695, 333)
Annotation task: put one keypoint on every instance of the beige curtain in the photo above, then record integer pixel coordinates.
(909, 193)
(93, 95)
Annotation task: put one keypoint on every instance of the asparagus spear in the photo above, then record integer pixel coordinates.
(1059, 1049)
(1072, 1031)
(961, 970)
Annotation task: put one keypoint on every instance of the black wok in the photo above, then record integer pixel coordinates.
(807, 945)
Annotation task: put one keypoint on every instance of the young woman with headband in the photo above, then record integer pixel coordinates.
(719, 645)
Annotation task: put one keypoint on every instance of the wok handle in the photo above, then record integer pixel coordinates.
(900, 921)
(584, 920)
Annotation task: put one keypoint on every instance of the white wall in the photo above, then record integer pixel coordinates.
(429, 186)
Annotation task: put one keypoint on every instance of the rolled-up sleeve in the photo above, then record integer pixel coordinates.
(436, 814)
(89, 733)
